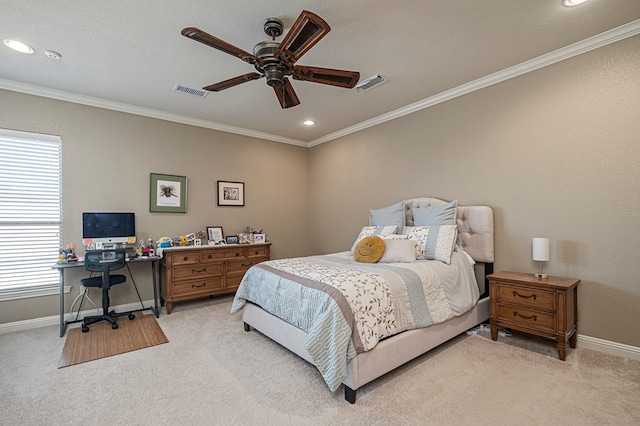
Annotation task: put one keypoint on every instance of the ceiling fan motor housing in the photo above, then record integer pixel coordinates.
(273, 69)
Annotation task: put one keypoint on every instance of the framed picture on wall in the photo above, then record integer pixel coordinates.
(230, 193)
(168, 193)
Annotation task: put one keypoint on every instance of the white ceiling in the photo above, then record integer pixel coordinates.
(128, 55)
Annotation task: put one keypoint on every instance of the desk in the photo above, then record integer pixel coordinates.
(63, 266)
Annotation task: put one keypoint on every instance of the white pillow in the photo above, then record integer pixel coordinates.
(433, 242)
(399, 250)
(373, 230)
(394, 237)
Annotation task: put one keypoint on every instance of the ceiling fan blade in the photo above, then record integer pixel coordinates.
(286, 95)
(340, 78)
(205, 38)
(306, 31)
(233, 82)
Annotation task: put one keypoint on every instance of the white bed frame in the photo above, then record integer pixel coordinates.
(475, 236)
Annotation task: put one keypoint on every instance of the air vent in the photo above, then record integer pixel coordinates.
(370, 83)
(189, 91)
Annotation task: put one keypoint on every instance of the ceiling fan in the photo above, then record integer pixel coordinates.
(276, 61)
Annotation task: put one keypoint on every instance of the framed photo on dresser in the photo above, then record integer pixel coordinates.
(215, 234)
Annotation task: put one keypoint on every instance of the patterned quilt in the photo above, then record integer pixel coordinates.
(346, 307)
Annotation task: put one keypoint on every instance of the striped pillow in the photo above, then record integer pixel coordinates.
(433, 242)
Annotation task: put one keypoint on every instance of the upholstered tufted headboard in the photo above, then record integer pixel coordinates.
(475, 227)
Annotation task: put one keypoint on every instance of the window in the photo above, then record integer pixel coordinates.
(30, 213)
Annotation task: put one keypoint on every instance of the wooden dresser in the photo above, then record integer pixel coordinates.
(546, 307)
(197, 271)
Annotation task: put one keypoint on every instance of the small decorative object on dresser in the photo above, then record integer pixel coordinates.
(546, 307)
(192, 272)
(245, 238)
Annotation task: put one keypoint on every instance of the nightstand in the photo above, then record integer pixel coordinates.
(546, 307)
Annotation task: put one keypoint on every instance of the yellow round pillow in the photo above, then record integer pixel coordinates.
(369, 249)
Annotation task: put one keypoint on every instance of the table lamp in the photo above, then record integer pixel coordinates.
(541, 254)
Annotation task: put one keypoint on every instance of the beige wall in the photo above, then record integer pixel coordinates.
(555, 153)
(107, 158)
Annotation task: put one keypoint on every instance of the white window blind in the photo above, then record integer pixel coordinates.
(30, 213)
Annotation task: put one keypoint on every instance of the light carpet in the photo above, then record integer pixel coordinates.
(102, 341)
(212, 372)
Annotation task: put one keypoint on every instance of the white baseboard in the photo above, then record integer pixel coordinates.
(587, 342)
(29, 324)
(606, 346)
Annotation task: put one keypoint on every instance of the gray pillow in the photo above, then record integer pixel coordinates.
(444, 214)
(389, 216)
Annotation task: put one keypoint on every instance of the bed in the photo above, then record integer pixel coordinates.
(305, 305)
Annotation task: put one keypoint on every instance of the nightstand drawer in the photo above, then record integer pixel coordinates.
(530, 297)
(527, 317)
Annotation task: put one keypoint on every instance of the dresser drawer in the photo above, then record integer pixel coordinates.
(183, 258)
(196, 287)
(241, 266)
(232, 252)
(527, 317)
(260, 251)
(188, 272)
(529, 297)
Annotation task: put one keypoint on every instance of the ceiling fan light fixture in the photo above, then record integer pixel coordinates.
(274, 75)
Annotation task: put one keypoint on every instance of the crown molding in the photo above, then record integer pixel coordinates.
(586, 45)
(46, 92)
(595, 42)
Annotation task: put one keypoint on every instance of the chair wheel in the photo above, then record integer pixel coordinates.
(132, 317)
(85, 329)
(114, 326)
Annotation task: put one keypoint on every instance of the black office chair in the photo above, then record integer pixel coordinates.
(104, 261)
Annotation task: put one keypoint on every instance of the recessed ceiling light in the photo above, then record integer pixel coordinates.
(18, 46)
(308, 122)
(570, 3)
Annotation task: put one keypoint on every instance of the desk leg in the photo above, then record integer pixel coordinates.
(155, 288)
(63, 326)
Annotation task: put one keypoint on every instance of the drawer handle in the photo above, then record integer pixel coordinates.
(197, 271)
(198, 286)
(515, 293)
(185, 258)
(246, 265)
(209, 257)
(256, 252)
(237, 254)
(533, 317)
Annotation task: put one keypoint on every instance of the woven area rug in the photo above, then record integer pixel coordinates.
(102, 341)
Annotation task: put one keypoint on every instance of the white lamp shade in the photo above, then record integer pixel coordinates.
(541, 249)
